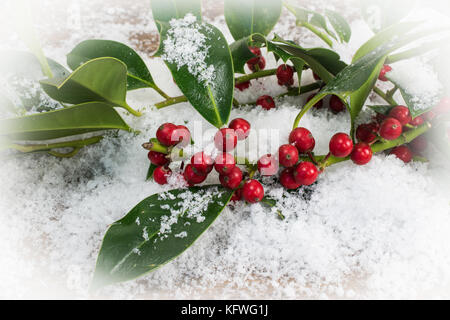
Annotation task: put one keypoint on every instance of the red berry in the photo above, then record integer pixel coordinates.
(160, 175)
(224, 163)
(225, 139)
(241, 127)
(266, 102)
(242, 86)
(164, 134)
(390, 129)
(287, 84)
(302, 139)
(419, 144)
(403, 153)
(237, 195)
(417, 121)
(401, 113)
(181, 136)
(253, 191)
(233, 179)
(288, 155)
(268, 165)
(386, 69)
(361, 154)
(285, 74)
(367, 132)
(316, 77)
(256, 64)
(341, 145)
(255, 50)
(336, 104)
(287, 179)
(306, 173)
(158, 158)
(202, 162)
(192, 176)
(443, 106)
(318, 105)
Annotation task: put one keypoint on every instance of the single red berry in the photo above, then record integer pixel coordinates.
(268, 165)
(367, 132)
(237, 195)
(316, 77)
(225, 139)
(419, 144)
(202, 162)
(302, 139)
(256, 64)
(231, 180)
(242, 86)
(401, 113)
(164, 134)
(361, 154)
(336, 104)
(241, 127)
(318, 105)
(253, 191)
(255, 50)
(287, 179)
(285, 74)
(341, 145)
(306, 173)
(443, 106)
(403, 153)
(386, 69)
(417, 121)
(192, 176)
(181, 136)
(391, 129)
(287, 84)
(158, 158)
(288, 155)
(160, 175)
(266, 102)
(224, 163)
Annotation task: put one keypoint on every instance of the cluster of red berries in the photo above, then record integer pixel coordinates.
(391, 127)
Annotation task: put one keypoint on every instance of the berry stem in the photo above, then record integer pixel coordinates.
(155, 146)
(170, 102)
(385, 97)
(132, 111)
(256, 75)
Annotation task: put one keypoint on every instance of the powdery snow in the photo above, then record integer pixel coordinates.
(379, 231)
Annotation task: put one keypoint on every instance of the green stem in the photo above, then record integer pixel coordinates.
(132, 111)
(256, 75)
(385, 97)
(317, 32)
(46, 147)
(65, 155)
(155, 146)
(170, 102)
(161, 93)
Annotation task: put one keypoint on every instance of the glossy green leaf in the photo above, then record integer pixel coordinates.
(340, 25)
(213, 99)
(150, 171)
(138, 74)
(165, 10)
(245, 18)
(101, 79)
(83, 118)
(382, 109)
(156, 231)
(383, 37)
(241, 54)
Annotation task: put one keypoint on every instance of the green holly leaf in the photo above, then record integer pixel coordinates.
(156, 231)
(166, 10)
(245, 18)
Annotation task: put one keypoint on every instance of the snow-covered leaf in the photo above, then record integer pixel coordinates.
(138, 74)
(156, 231)
(166, 10)
(245, 18)
(83, 118)
(198, 56)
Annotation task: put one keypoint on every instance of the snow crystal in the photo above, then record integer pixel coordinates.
(182, 234)
(419, 81)
(185, 45)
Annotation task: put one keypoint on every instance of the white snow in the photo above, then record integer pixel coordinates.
(379, 231)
